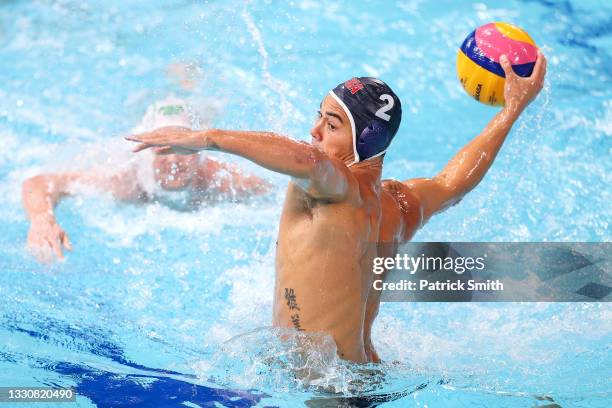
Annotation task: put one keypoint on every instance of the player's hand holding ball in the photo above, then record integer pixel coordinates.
(500, 65)
(519, 91)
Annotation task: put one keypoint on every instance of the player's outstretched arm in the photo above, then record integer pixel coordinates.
(468, 167)
(321, 176)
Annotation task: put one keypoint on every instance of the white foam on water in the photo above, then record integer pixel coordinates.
(249, 303)
(281, 360)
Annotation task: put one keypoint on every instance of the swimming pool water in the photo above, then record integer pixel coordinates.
(162, 307)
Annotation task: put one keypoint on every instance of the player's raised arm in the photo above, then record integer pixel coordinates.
(325, 178)
(467, 168)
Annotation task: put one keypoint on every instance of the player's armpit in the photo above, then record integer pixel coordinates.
(329, 179)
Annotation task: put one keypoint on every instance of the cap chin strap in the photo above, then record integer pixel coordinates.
(376, 155)
(350, 116)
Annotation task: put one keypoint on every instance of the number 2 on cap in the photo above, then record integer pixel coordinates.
(381, 113)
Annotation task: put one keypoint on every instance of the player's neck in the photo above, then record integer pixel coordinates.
(372, 166)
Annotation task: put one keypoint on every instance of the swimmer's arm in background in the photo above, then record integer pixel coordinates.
(41, 193)
(319, 176)
(226, 178)
(464, 171)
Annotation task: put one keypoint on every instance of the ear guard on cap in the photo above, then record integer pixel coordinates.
(374, 139)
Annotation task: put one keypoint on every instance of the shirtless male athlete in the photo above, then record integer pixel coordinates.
(337, 211)
(164, 179)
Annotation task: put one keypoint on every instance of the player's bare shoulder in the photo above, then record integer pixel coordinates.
(401, 207)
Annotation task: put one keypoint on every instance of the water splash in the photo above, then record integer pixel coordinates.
(283, 360)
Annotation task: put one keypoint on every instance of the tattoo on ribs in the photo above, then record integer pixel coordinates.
(292, 304)
(290, 298)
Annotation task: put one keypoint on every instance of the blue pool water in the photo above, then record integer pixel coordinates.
(160, 307)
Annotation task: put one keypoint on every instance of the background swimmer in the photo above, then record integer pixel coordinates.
(338, 212)
(191, 179)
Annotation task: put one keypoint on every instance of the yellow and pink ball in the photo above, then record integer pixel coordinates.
(478, 65)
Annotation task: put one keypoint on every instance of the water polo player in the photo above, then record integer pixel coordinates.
(179, 181)
(337, 210)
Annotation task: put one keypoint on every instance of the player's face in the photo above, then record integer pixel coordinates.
(173, 171)
(331, 131)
